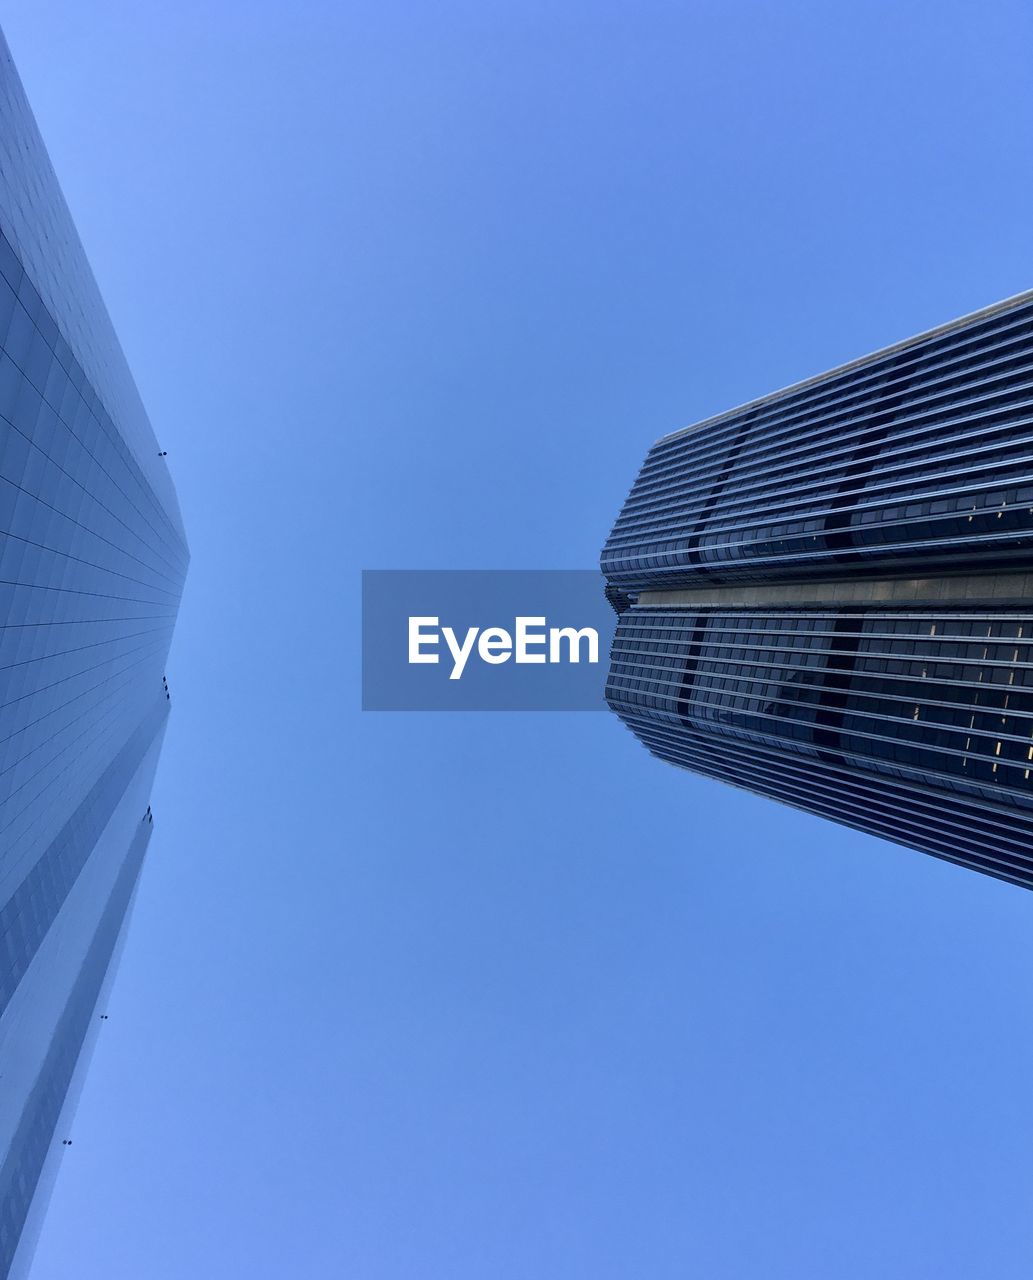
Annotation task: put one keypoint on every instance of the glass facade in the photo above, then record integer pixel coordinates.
(914, 460)
(92, 562)
(823, 597)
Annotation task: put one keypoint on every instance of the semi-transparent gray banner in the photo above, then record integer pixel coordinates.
(484, 640)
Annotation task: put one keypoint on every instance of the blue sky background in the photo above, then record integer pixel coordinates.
(499, 996)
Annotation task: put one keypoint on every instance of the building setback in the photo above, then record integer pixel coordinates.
(92, 561)
(826, 596)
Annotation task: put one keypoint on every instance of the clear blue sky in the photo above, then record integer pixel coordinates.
(498, 997)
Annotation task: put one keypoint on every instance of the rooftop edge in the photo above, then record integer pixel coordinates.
(984, 313)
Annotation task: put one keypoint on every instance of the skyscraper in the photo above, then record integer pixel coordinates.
(826, 596)
(92, 562)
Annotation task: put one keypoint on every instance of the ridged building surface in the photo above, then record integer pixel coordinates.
(92, 562)
(826, 596)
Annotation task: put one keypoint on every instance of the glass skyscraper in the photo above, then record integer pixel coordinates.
(826, 596)
(92, 562)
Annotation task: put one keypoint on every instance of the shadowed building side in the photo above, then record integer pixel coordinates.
(916, 460)
(828, 596)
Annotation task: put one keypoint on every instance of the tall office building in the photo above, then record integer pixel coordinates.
(92, 561)
(826, 596)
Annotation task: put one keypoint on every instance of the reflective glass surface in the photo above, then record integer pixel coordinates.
(92, 562)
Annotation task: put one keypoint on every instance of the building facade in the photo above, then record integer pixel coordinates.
(92, 562)
(826, 596)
